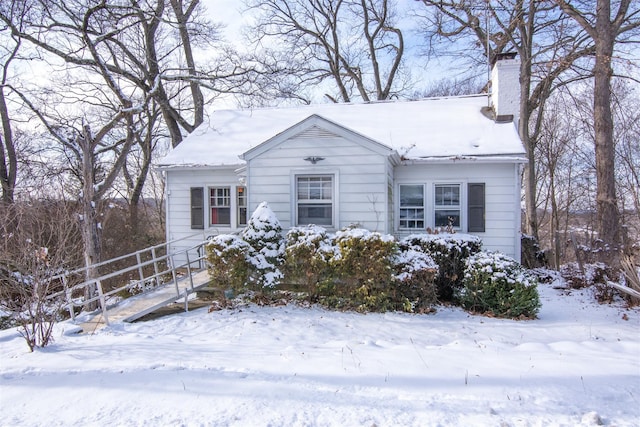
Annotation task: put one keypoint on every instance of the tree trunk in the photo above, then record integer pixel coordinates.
(8, 162)
(89, 223)
(608, 221)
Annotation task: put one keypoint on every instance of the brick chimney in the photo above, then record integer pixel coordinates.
(505, 87)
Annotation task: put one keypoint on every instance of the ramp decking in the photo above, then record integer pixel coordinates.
(154, 266)
(140, 305)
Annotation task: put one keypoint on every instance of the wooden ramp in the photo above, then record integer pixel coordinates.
(137, 306)
(173, 276)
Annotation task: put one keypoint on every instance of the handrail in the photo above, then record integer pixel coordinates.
(121, 257)
(157, 275)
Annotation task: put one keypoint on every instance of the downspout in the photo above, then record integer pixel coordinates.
(518, 212)
(167, 193)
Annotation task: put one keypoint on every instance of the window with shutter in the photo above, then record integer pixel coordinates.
(476, 207)
(197, 208)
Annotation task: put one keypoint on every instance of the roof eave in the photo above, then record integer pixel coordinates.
(192, 166)
(508, 158)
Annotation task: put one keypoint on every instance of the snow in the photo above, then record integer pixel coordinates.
(578, 365)
(428, 128)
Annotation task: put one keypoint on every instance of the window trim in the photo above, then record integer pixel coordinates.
(423, 207)
(295, 175)
(430, 185)
(211, 206)
(459, 207)
(240, 206)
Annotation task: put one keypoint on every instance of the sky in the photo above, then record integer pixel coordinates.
(424, 71)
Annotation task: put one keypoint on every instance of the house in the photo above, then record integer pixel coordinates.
(397, 167)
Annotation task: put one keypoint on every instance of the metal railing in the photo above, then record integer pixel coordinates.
(150, 265)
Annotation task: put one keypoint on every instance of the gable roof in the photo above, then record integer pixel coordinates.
(425, 129)
(319, 125)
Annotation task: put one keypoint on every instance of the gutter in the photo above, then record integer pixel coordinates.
(516, 158)
(186, 166)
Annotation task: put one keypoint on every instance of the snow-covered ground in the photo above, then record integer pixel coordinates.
(579, 364)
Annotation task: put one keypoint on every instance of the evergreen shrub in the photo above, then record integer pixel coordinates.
(306, 260)
(449, 251)
(264, 235)
(227, 261)
(415, 274)
(497, 285)
(363, 259)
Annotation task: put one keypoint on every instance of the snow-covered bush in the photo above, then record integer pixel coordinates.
(264, 234)
(415, 274)
(590, 274)
(307, 253)
(228, 265)
(363, 259)
(449, 251)
(498, 285)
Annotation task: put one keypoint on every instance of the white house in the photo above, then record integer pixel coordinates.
(398, 167)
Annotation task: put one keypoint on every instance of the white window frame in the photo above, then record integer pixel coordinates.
(333, 201)
(460, 207)
(241, 203)
(412, 207)
(211, 205)
(429, 203)
(234, 205)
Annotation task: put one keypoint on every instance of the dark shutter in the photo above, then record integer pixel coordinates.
(476, 206)
(197, 208)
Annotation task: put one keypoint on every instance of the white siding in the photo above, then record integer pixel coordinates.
(502, 196)
(359, 178)
(178, 209)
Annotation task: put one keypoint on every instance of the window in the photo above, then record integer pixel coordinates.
(314, 200)
(197, 208)
(412, 206)
(220, 203)
(447, 205)
(242, 205)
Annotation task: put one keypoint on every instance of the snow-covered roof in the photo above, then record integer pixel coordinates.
(423, 129)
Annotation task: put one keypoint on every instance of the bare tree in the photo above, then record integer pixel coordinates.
(354, 43)
(548, 47)
(451, 87)
(37, 241)
(110, 131)
(626, 110)
(8, 157)
(605, 29)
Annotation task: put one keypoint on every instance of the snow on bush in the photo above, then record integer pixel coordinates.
(498, 285)
(589, 275)
(412, 261)
(364, 258)
(264, 234)
(449, 251)
(307, 254)
(368, 271)
(228, 261)
(415, 274)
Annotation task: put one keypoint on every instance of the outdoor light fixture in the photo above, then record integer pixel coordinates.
(314, 159)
